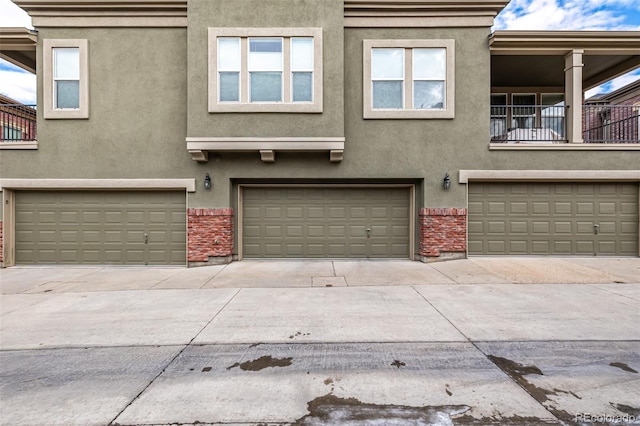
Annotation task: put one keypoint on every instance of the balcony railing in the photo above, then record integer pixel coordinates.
(528, 123)
(18, 123)
(611, 124)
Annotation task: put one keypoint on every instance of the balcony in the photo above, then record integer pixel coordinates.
(615, 124)
(528, 124)
(19, 126)
(537, 126)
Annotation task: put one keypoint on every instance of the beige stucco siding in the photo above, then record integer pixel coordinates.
(325, 14)
(422, 148)
(137, 116)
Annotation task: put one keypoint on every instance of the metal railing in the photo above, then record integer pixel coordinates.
(18, 123)
(528, 123)
(611, 124)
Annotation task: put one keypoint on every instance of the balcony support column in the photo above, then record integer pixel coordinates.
(573, 95)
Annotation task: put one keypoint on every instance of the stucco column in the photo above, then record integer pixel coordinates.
(573, 95)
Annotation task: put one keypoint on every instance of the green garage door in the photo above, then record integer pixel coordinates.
(583, 219)
(101, 227)
(326, 222)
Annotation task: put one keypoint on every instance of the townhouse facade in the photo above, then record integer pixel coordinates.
(199, 132)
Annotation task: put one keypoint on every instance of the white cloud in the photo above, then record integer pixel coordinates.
(566, 15)
(18, 85)
(12, 16)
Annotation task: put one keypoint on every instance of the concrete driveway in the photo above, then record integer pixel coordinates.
(479, 341)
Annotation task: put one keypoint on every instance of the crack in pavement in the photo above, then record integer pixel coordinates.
(172, 360)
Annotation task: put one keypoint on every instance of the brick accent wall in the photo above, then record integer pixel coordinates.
(443, 230)
(209, 234)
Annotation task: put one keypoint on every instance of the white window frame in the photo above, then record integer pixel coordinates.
(49, 110)
(244, 105)
(407, 112)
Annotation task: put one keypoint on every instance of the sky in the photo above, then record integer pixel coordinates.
(614, 15)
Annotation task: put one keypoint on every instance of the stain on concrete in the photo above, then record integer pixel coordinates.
(627, 409)
(262, 363)
(331, 410)
(397, 363)
(517, 372)
(328, 381)
(446, 389)
(623, 366)
(298, 334)
(205, 369)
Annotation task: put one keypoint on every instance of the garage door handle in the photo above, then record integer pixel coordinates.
(596, 229)
(146, 238)
(368, 232)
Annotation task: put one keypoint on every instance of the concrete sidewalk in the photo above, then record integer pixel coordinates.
(323, 343)
(320, 273)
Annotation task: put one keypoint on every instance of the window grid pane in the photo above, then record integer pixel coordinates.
(67, 94)
(301, 54)
(228, 54)
(66, 63)
(387, 64)
(430, 64)
(265, 54)
(229, 87)
(388, 94)
(428, 94)
(302, 85)
(265, 87)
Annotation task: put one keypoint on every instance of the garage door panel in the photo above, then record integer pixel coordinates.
(93, 227)
(564, 214)
(518, 208)
(334, 222)
(562, 247)
(540, 228)
(315, 231)
(497, 208)
(629, 209)
(540, 247)
(337, 250)
(518, 228)
(562, 208)
(628, 228)
(562, 228)
(496, 227)
(540, 208)
(273, 231)
(496, 247)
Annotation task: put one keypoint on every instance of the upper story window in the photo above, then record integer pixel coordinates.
(412, 79)
(66, 86)
(265, 70)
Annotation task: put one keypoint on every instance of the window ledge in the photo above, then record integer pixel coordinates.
(19, 145)
(199, 147)
(537, 146)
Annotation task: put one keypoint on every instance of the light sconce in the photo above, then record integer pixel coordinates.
(207, 181)
(446, 182)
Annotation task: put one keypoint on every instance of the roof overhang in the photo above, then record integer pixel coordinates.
(18, 46)
(106, 13)
(523, 54)
(421, 13)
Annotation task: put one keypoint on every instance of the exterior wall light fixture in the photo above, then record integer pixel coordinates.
(446, 182)
(207, 181)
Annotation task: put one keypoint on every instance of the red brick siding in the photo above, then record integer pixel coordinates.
(442, 230)
(209, 233)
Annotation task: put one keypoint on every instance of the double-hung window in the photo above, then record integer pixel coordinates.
(265, 70)
(66, 86)
(412, 79)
